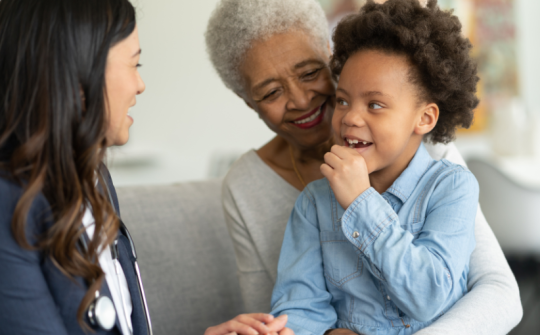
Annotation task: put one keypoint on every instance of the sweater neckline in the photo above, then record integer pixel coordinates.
(270, 172)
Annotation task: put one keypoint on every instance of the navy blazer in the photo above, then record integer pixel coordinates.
(35, 297)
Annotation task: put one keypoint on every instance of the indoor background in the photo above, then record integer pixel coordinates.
(188, 126)
(187, 121)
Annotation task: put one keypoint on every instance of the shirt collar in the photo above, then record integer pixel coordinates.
(405, 184)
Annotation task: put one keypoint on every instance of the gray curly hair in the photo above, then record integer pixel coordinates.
(236, 24)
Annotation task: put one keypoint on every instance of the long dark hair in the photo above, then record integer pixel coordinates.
(53, 121)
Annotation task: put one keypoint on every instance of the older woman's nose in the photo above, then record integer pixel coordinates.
(298, 97)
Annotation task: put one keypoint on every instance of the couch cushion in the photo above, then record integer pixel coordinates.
(185, 254)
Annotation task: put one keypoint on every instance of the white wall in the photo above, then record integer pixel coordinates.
(186, 114)
(528, 49)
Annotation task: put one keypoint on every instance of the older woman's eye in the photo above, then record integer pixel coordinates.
(269, 95)
(311, 74)
(374, 105)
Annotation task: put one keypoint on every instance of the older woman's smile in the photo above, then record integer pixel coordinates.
(311, 119)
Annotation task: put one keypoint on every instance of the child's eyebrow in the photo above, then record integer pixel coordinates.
(367, 94)
(373, 93)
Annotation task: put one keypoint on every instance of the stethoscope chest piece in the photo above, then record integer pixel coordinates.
(101, 313)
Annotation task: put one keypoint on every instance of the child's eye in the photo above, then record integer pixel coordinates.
(342, 102)
(139, 65)
(374, 105)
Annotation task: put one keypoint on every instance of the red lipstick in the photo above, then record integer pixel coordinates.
(311, 119)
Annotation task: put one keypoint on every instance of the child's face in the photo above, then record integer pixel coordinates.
(377, 105)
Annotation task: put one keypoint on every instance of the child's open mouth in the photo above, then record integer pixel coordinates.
(356, 144)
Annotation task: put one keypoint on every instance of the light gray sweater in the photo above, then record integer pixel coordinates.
(258, 202)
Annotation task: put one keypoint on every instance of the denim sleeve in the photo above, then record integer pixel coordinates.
(421, 275)
(300, 290)
(26, 304)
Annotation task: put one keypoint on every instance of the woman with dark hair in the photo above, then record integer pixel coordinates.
(69, 76)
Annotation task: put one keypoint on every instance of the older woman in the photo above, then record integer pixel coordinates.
(274, 56)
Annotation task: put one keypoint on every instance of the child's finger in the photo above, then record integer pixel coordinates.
(331, 159)
(339, 151)
(327, 171)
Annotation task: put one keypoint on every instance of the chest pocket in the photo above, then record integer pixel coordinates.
(342, 261)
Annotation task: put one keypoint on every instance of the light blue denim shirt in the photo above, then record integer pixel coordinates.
(391, 263)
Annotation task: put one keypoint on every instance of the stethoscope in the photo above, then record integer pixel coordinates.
(101, 312)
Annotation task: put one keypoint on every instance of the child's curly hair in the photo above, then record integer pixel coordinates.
(431, 39)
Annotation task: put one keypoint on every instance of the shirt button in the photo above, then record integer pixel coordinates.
(388, 297)
(355, 234)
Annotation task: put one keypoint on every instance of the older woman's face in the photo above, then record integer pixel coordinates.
(288, 83)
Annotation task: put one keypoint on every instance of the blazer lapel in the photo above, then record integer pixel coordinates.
(125, 257)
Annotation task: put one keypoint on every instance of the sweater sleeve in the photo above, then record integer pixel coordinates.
(493, 304)
(255, 284)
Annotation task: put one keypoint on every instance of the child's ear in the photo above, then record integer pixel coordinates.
(428, 119)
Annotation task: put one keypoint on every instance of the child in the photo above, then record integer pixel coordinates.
(382, 244)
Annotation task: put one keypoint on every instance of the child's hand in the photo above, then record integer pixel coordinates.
(347, 173)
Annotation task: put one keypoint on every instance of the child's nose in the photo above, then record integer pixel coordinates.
(353, 118)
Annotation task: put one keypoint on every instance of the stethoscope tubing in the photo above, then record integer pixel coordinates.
(143, 296)
(140, 286)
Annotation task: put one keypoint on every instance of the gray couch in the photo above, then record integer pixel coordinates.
(185, 254)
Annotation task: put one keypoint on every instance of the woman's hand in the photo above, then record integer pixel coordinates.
(347, 172)
(252, 324)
